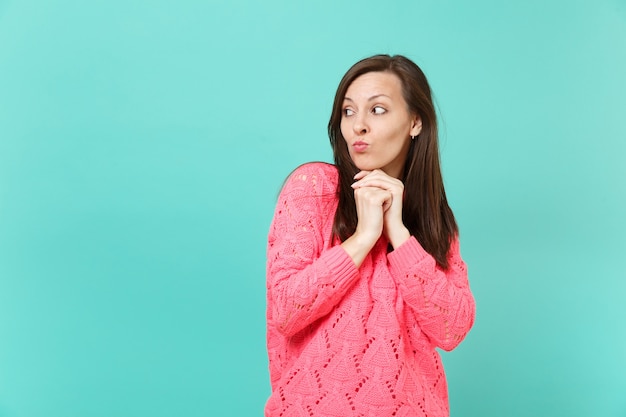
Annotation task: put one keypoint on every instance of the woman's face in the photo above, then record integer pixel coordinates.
(376, 123)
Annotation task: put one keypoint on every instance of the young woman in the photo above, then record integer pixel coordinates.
(364, 274)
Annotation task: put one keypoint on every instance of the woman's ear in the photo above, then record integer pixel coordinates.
(416, 126)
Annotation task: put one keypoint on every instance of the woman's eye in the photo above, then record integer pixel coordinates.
(348, 112)
(378, 110)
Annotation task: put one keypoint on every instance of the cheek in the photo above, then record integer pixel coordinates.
(401, 133)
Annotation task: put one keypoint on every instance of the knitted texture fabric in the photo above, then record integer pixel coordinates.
(344, 341)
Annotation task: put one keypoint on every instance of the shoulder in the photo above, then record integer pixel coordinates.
(321, 170)
(318, 177)
(307, 196)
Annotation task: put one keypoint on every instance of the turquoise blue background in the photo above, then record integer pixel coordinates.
(143, 144)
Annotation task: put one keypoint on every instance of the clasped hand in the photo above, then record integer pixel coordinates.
(378, 198)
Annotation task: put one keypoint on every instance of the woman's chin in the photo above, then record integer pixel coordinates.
(367, 167)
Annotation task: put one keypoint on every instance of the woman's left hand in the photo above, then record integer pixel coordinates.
(393, 227)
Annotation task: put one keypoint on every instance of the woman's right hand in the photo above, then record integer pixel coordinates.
(371, 204)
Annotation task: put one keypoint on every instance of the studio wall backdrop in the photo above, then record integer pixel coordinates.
(143, 145)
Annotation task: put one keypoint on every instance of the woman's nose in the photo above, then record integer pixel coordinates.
(360, 125)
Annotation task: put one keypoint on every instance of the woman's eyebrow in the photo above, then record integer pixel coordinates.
(374, 97)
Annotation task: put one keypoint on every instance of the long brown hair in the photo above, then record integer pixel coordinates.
(425, 209)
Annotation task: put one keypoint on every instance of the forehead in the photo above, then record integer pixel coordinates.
(375, 83)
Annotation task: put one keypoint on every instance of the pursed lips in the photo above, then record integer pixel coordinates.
(360, 146)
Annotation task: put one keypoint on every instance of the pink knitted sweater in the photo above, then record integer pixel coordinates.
(344, 341)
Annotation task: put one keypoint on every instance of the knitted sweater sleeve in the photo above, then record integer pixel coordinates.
(441, 299)
(306, 277)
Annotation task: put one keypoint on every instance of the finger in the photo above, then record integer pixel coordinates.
(376, 174)
(372, 195)
(361, 174)
(384, 183)
(379, 173)
(388, 202)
